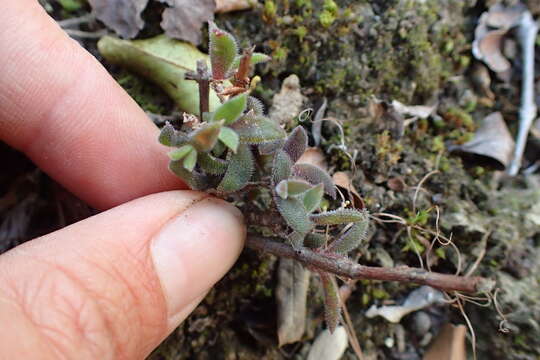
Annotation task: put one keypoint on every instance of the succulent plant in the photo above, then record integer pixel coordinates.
(237, 148)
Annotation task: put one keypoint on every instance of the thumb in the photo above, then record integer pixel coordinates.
(116, 284)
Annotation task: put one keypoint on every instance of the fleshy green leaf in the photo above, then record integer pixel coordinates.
(315, 175)
(223, 51)
(339, 216)
(256, 58)
(231, 110)
(295, 214)
(312, 198)
(180, 153)
(281, 168)
(205, 138)
(352, 238)
(219, 149)
(314, 240)
(282, 189)
(165, 62)
(296, 187)
(255, 105)
(194, 180)
(230, 138)
(332, 308)
(296, 143)
(190, 160)
(296, 239)
(257, 129)
(239, 171)
(212, 165)
(167, 135)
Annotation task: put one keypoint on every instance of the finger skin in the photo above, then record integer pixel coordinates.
(91, 290)
(62, 108)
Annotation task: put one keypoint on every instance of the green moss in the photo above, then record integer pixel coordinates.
(326, 18)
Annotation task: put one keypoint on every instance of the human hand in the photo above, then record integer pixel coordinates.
(116, 284)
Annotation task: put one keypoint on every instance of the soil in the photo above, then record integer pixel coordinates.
(417, 52)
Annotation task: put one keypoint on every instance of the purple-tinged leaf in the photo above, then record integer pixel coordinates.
(204, 138)
(296, 143)
(194, 180)
(230, 138)
(332, 305)
(314, 240)
(295, 214)
(315, 175)
(181, 152)
(123, 16)
(281, 168)
(190, 160)
(241, 167)
(223, 51)
(257, 129)
(212, 165)
(270, 147)
(183, 19)
(339, 216)
(231, 110)
(353, 237)
(297, 187)
(312, 198)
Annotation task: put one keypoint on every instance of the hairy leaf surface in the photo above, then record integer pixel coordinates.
(315, 175)
(194, 180)
(205, 138)
(296, 143)
(230, 138)
(281, 168)
(339, 216)
(181, 152)
(223, 51)
(352, 238)
(295, 214)
(231, 110)
(212, 165)
(239, 171)
(257, 129)
(331, 300)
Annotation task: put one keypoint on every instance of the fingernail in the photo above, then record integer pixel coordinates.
(195, 249)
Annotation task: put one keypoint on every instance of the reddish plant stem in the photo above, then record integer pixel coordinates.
(346, 268)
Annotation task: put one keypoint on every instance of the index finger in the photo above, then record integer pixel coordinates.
(61, 107)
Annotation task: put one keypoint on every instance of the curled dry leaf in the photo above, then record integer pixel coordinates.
(291, 297)
(224, 6)
(421, 111)
(492, 144)
(123, 16)
(489, 35)
(329, 346)
(343, 181)
(449, 344)
(184, 18)
(420, 298)
(313, 156)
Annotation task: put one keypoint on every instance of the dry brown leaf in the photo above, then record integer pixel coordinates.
(224, 6)
(313, 156)
(489, 50)
(421, 111)
(449, 344)
(291, 297)
(492, 144)
(184, 18)
(343, 181)
(123, 16)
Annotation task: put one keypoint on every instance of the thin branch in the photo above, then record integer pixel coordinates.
(202, 77)
(346, 268)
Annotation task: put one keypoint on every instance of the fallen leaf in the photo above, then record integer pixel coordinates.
(492, 144)
(123, 16)
(184, 18)
(291, 297)
(421, 111)
(163, 61)
(420, 298)
(396, 183)
(329, 346)
(449, 344)
(489, 50)
(343, 180)
(224, 6)
(313, 156)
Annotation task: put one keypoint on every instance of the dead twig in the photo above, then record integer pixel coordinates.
(527, 31)
(346, 268)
